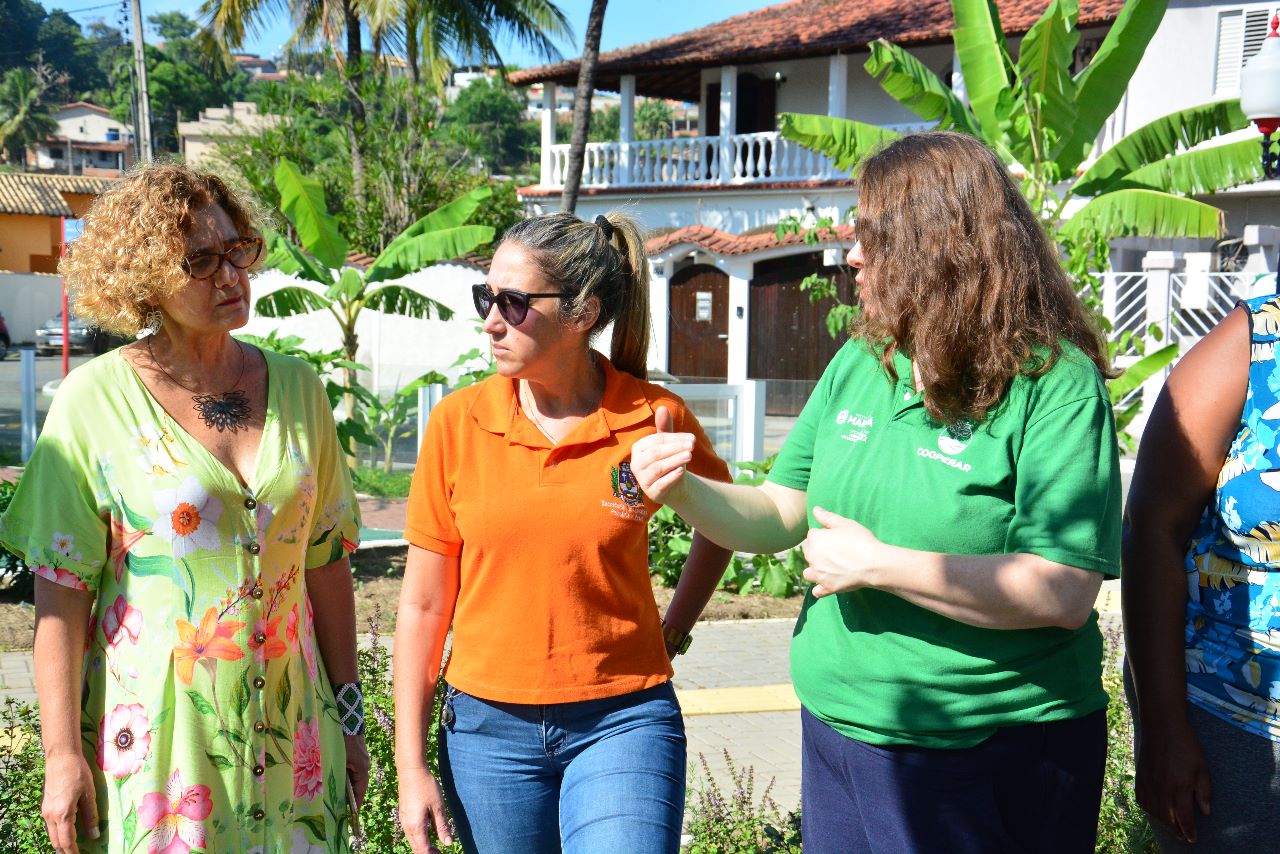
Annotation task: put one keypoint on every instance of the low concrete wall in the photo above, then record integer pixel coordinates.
(27, 300)
(396, 349)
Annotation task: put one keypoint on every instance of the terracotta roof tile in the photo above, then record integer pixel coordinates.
(801, 28)
(723, 244)
(21, 195)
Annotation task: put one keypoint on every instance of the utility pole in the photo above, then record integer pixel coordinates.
(144, 100)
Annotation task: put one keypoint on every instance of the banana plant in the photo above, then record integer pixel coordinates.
(1043, 120)
(320, 256)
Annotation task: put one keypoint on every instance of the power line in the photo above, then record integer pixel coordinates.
(88, 8)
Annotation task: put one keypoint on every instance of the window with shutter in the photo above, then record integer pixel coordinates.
(1240, 35)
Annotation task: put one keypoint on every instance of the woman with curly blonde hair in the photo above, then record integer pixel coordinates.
(188, 517)
(954, 481)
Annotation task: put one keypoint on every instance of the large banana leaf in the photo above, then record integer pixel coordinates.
(1157, 140)
(1200, 172)
(408, 255)
(397, 299)
(287, 302)
(302, 201)
(1044, 63)
(844, 141)
(1141, 371)
(1144, 213)
(1101, 85)
(450, 215)
(914, 86)
(286, 257)
(984, 61)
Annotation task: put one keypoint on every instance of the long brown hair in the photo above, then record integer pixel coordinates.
(605, 259)
(963, 277)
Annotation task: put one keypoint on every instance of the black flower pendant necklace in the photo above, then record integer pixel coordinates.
(227, 411)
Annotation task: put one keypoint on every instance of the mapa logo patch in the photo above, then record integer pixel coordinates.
(625, 485)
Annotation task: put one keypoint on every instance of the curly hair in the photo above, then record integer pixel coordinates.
(962, 275)
(134, 241)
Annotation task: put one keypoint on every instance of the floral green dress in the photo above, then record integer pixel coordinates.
(207, 717)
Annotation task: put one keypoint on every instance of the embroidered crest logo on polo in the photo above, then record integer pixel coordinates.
(625, 485)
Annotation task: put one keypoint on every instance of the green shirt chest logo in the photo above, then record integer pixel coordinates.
(857, 427)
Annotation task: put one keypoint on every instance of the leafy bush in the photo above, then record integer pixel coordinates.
(375, 481)
(670, 538)
(15, 577)
(737, 824)
(1122, 825)
(21, 779)
(380, 814)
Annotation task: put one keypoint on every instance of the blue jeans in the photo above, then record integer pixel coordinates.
(592, 776)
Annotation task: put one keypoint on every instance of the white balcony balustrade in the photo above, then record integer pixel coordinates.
(745, 158)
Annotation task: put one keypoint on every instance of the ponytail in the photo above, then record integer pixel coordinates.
(604, 259)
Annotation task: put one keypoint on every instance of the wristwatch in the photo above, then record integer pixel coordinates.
(677, 640)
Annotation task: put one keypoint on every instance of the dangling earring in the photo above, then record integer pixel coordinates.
(152, 324)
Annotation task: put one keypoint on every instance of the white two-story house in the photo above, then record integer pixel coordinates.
(726, 296)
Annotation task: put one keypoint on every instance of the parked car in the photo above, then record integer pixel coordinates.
(49, 335)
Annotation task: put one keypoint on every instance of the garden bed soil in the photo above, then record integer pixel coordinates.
(378, 573)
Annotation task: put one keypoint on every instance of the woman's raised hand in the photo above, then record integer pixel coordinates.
(422, 810)
(658, 460)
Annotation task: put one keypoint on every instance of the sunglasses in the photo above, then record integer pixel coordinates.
(512, 305)
(241, 256)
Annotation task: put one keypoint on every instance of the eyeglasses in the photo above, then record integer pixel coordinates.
(512, 305)
(241, 256)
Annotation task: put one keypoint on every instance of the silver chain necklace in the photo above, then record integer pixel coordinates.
(226, 411)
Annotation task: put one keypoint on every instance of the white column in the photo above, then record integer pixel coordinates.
(739, 316)
(838, 85)
(1159, 266)
(728, 119)
(626, 125)
(627, 108)
(660, 313)
(548, 130)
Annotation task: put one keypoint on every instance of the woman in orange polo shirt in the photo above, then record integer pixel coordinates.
(528, 535)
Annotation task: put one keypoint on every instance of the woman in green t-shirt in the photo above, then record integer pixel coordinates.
(954, 481)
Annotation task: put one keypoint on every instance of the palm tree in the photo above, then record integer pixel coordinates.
(25, 117)
(435, 32)
(582, 105)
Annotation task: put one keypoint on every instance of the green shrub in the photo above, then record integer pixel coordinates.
(21, 779)
(15, 576)
(380, 815)
(737, 824)
(1122, 825)
(374, 481)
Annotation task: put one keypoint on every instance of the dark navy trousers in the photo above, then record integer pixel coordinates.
(1029, 789)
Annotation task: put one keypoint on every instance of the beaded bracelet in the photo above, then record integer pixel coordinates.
(350, 708)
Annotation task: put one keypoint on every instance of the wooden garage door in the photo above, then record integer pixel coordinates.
(699, 325)
(789, 343)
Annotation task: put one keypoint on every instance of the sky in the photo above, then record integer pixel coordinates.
(626, 22)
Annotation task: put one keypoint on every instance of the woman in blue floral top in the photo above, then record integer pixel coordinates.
(1202, 593)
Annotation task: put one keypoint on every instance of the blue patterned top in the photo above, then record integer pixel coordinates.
(1233, 558)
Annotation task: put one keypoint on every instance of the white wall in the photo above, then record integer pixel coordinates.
(27, 300)
(867, 102)
(86, 125)
(396, 349)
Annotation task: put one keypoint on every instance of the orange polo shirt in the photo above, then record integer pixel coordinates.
(554, 603)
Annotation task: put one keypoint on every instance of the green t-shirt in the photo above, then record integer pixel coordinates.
(1040, 475)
